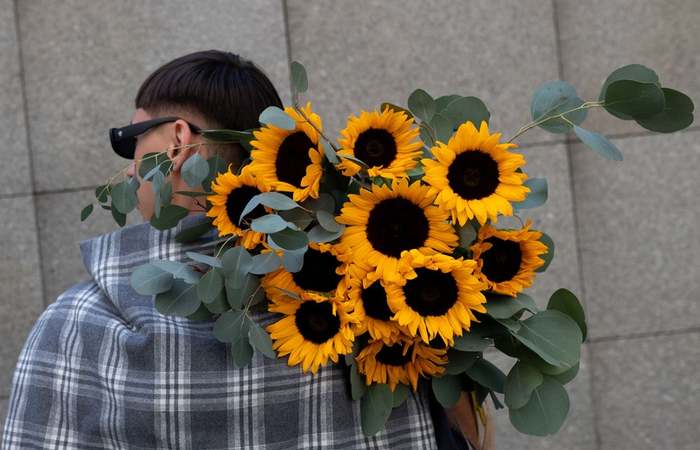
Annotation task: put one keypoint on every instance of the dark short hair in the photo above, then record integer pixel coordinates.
(225, 89)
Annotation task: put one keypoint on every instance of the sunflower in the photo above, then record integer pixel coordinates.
(475, 176)
(385, 221)
(371, 307)
(436, 296)
(312, 329)
(507, 260)
(399, 362)
(382, 141)
(232, 194)
(290, 160)
(322, 271)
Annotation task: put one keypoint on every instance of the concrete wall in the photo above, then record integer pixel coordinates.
(625, 235)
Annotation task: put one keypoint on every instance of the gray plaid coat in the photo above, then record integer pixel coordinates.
(103, 369)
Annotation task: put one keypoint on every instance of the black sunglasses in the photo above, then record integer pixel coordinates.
(124, 139)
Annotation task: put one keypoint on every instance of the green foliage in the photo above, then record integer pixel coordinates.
(536, 197)
(556, 107)
(676, 115)
(599, 143)
(169, 217)
(376, 408)
(195, 170)
(180, 300)
(566, 302)
(545, 412)
(299, 79)
(447, 390)
(275, 116)
(422, 105)
(549, 256)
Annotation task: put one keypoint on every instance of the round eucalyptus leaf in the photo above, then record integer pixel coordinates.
(118, 216)
(536, 197)
(209, 260)
(447, 389)
(261, 340)
(459, 362)
(329, 151)
(467, 234)
(328, 222)
(553, 336)
(241, 352)
(566, 302)
(467, 109)
(275, 116)
(181, 300)
(549, 256)
(521, 381)
(633, 98)
(194, 170)
(676, 115)
(553, 99)
(299, 79)
(169, 217)
(504, 306)
(210, 286)
(238, 296)
(375, 408)
(635, 72)
(292, 261)
(288, 240)
(357, 383)
(102, 193)
(442, 126)
(422, 105)
(471, 342)
(297, 216)
(546, 411)
(231, 326)
(320, 235)
(178, 269)
(270, 223)
(599, 143)
(124, 197)
(567, 375)
(401, 393)
(443, 101)
(487, 375)
(219, 305)
(236, 263)
(151, 280)
(265, 263)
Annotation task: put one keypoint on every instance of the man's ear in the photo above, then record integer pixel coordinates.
(182, 139)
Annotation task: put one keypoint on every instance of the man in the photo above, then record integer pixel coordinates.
(103, 369)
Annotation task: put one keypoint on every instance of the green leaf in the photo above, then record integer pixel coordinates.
(124, 197)
(546, 411)
(219, 305)
(467, 234)
(299, 80)
(487, 375)
(265, 263)
(549, 256)
(676, 115)
(261, 340)
(273, 200)
(324, 202)
(633, 98)
(555, 98)
(459, 362)
(195, 170)
(328, 222)
(270, 223)
(505, 306)
(102, 193)
(210, 286)
(194, 233)
(471, 342)
(422, 105)
(329, 151)
(553, 336)
(447, 390)
(599, 143)
(241, 352)
(443, 101)
(357, 383)
(297, 216)
(396, 108)
(401, 393)
(181, 300)
(236, 263)
(288, 240)
(118, 216)
(320, 235)
(467, 109)
(275, 116)
(227, 136)
(293, 260)
(178, 269)
(566, 302)
(216, 166)
(635, 72)
(442, 127)
(237, 297)
(521, 381)
(150, 280)
(231, 326)
(376, 408)
(85, 213)
(154, 162)
(170, 216)
(536, 197)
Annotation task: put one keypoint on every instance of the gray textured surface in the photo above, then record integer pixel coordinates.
(625, 232)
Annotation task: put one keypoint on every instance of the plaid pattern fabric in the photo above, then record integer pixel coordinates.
(103, 369)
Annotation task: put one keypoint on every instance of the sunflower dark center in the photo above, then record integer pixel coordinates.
(502, 261)
(238, 199)
(394, 355)
(431, 293)
(318, 272)
(395, 225)
(316, 321)
(374, 301)
(376, 147)
(473, 175)
(293, 158)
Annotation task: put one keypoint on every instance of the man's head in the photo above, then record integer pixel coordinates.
(203, 90)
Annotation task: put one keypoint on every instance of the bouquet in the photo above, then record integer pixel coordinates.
(383, 251)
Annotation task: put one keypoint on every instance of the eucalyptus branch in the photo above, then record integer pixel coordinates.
(535, 124)
(308, 120)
